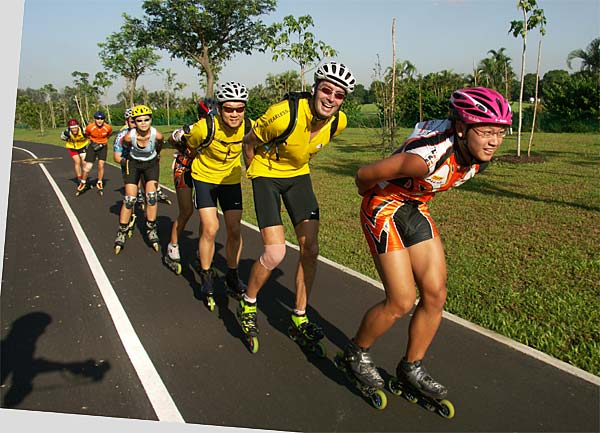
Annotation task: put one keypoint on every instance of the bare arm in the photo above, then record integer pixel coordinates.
(393, 167)
(249, 142)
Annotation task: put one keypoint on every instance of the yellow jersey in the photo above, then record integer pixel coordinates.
(76, 141)
(298, 148)
(220, 162)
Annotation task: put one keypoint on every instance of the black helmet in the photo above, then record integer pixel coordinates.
(99, 115)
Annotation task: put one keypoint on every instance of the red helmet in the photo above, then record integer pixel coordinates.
(72, 122)
(475, 105)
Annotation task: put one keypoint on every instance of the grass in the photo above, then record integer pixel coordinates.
(521, 240)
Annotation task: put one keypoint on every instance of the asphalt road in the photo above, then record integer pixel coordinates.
(87, 332)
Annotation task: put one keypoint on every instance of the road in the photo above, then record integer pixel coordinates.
(85, 331)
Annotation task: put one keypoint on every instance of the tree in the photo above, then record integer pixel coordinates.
(84, 90)
(590, 58)
(50, 93)
(532, 17)
(100, 84)
(205, 33)
(290, 39)
(170, 88)
(127, 54)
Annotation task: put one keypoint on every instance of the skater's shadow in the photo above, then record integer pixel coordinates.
(18, 362)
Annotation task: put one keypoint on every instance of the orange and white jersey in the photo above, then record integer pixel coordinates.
(98, 134)
(435, 142)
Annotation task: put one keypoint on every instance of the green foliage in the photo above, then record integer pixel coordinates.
(590, 57)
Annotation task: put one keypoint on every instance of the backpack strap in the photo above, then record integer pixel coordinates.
(210, 128)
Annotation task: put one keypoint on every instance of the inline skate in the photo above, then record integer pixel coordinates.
(233, 285)
(172, 259)
(246, 314)
(307, 335)
(416, 385)
(162, 197)
(100, 187)
(83, 187)
(207, 286)
(125, 232)
(357, 365)
(152, 235)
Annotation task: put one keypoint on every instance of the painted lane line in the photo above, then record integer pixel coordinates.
(159, 396)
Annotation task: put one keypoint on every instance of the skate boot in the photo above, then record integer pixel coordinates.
(172, 259)
(140, 201)
(162, 197)
(246, 314)
(121, 237)
(100, 187)
(359, 368)
(234, 286)
(82, 187)
(152, 235)
(417, 386)
(207, 287)
(307, 334)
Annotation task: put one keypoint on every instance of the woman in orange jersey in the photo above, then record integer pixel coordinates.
(402, 236)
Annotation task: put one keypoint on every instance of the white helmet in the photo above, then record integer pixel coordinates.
(232, 91)
(338, 74)
(127, 113)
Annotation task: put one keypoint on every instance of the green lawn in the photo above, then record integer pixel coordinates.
(521, 240)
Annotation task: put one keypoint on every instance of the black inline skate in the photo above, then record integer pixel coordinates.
(162, 197)
(83, 187)
(233, 285)
(172, 259)
(100, 187)
(307, 334)
(152, 235)
(207, 290)
(416, 385)
(359, 368)
(246, 314)
(124, 233)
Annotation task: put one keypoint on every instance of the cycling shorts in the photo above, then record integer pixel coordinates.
(392, 225)
(297, 194)
(75, 152)
(132, 170)
(91, 154)
(229, 197)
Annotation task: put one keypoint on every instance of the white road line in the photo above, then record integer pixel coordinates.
(153, 385)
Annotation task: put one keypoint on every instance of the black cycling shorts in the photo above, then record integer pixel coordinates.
(91, 154)
(229, 197)
(133, 170)
(297, 194)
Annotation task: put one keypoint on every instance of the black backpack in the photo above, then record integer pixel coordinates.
(210, 125)
(293, 98)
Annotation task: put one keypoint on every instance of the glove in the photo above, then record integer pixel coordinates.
(177, 135)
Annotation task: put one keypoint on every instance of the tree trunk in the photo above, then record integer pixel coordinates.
(393, 96)
(522, 83)
(41, 122)
(108, 114)
(83, 121)
(535, 103)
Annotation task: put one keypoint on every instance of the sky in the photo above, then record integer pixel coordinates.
(61, 36)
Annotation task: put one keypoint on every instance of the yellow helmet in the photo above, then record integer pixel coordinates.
(140, 110)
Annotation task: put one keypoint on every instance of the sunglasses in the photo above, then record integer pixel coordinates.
(230, 110)
(143, 120)
(489, 134)
(340, 96)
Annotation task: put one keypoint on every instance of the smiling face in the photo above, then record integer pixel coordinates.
(143, 123)
(232, 113)
(482, 140)
(328, 99)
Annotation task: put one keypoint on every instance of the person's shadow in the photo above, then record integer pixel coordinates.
(17, 360)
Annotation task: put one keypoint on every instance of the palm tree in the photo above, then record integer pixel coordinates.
(590, 58)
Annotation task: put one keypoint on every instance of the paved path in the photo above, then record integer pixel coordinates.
(88, 332)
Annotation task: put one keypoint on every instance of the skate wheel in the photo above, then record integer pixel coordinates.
(178, 269)
(379, 400)
(446, 409)
(337, 360)
(319, 350)
(155, 247)
(129, 233)
(410, 397)
(117, 249)
(253, 344)
(393, 385)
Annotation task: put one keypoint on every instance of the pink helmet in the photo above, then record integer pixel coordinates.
(480, 105)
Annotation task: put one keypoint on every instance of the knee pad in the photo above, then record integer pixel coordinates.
(272, 256)
(129, 201)
(151, 198)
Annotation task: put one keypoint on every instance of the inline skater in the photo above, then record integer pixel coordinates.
(182, 179)
(402, 236)
(98, 133)
(140, 147)
(76, 143)
(282, 171)
(216, 174)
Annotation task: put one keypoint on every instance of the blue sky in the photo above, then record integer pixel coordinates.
(61, 36)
